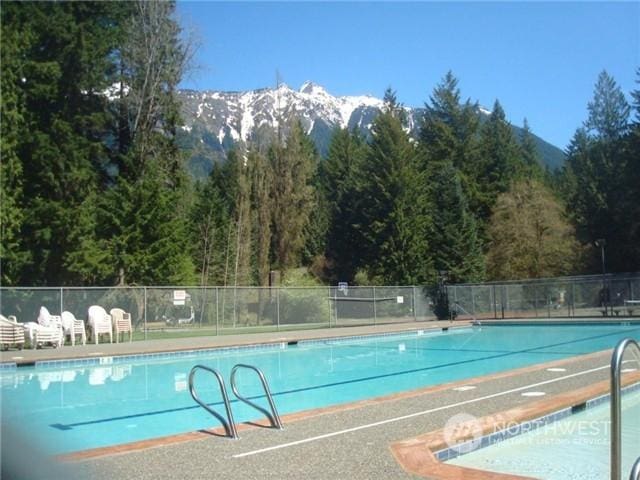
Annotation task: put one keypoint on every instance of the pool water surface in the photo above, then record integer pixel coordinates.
(81, 407)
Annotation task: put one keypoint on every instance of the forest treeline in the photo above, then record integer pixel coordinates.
(94, 189)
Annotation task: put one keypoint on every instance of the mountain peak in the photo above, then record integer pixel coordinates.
(311, 88)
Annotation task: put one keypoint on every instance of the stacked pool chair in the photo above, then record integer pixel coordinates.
(11, 333)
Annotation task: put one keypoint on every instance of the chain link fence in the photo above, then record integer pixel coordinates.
(170, 312)
(568, 297)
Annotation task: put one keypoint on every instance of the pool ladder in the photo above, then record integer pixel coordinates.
(616, 413)
(229, 423)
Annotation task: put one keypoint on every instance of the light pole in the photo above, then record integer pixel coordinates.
(601, 242)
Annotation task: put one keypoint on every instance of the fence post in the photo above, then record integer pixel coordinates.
(61, 302)
(505, 299)
(473, 303)
(413, 299)
(330, 305)
(217, 312)
(375, 315)
(278, 308)
(145, 313)
(495, 303)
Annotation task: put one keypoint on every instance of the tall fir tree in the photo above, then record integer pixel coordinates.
(13, 255)
(628, 211)
(594, 180)
(608, 110)
(341, 176)
(529, 153)
(150, 174)
(393, 204)
(293, 166)
(66, 65)
(449, 132)
(262, 207)
(455, 243)
(500, 160)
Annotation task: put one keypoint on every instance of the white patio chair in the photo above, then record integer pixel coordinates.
(47, 330)
(121, 323)
(99, 321)
(73, 327)
(11, 333)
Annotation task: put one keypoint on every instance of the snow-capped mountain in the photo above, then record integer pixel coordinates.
(216, 121)
(221, 119)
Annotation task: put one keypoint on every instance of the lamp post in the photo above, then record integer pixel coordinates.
(601, 242)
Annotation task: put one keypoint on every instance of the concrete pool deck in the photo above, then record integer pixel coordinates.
(30, 356)
(371, 439)
(361, 440)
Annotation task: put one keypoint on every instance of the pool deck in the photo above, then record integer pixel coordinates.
(29, 356)
(387, 437)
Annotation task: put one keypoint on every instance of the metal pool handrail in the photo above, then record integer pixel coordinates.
(228, 424)
(616, 415)
(635, 470)
(273, 416)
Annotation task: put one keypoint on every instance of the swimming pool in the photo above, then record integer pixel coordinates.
(575, 448)
(80, 406)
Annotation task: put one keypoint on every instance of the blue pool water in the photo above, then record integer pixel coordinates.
(83, 407)
(576, 448)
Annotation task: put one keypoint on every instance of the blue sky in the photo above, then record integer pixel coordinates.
(540, 59)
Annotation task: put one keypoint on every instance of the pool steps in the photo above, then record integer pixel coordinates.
(229, 423)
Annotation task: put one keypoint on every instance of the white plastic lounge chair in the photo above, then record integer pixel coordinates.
(47, 330)
(121, 323)
(11, 333)
(73, 327)
(99, 322)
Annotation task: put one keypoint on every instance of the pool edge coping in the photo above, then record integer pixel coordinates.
(419, 455)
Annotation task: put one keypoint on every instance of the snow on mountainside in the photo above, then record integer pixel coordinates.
(238, 114)
(214, 122)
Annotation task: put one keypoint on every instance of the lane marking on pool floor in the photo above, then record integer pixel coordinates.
(416, 414)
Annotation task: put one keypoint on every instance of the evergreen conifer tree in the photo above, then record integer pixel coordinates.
(595, 180)
(66, 65)
(608, 110)
(12, 254)
(454, 240)
(500, 160)
(341, 177)
(293, 166)
(449, 132)
(150, 175)
(529, 153)
(262, 202)
(394, 204)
